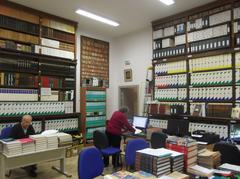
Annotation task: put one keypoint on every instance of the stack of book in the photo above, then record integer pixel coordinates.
(184, 145)
(200, 171)
(11, 148)
(177, 161)
(28, 145)
(154, 161)
(40, 142)
(209, 159)
(52, 141)
(64, 139)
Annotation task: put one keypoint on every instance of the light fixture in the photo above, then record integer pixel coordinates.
(97, 18)
(168, 2)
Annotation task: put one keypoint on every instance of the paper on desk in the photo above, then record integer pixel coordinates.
(137, 131)
(202, 169)
(230, 167)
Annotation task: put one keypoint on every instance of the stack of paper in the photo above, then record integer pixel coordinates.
(52, 141)
(200, 171)
(230, 167)
(28, 145)
(40, 142)
(12, 148)
(64, 139)
(175, 175)
(154, 161)
(209, 159)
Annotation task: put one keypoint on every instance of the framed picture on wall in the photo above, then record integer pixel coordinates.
(128, 75)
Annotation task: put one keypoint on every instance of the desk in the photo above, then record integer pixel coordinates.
(134, 136)
(12, 162)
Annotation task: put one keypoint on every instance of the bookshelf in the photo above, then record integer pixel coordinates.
(37, 68)
(94, 62)
(93, 111)
(196, 62)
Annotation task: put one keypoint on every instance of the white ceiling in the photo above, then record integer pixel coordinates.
(132, 15)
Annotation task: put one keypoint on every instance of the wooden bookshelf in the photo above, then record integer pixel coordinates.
(41, 48)
(92, 118)
(94, 62)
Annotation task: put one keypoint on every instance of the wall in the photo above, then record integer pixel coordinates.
(137, 49)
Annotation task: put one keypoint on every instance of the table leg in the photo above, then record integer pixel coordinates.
(62, 168)
(2, 167)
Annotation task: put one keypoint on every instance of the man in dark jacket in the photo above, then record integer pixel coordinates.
(23, 130)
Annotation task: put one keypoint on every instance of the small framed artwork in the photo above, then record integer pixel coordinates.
(128, 75)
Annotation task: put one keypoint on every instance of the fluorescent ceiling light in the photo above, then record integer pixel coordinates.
(97, 18)
(168, 2)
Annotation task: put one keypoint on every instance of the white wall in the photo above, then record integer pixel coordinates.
(137, 49)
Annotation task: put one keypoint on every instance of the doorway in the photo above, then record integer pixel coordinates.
(128, 96)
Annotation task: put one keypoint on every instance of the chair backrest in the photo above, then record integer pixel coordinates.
(158, 140)
(100, 139)
(229, 153)
(5, 133)
(131, 148)
(90, 163)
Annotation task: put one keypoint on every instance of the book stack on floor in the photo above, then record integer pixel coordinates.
(40, 142)
(154, 161)
(64, 139)
(175, 175)
(11, 148)
(28, 145)
(186, 146)
(209, 159)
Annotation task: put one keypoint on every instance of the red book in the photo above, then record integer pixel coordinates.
(45, 81)
(26, 140)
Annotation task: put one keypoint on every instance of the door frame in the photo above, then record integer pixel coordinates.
(128, 86)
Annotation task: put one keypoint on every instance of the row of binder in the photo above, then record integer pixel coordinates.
(210, 44)
(171, 94)
(211, 94)
(95, 95)
(35, 108)
(62, 124)
(170, 68)
(168, 52)
(211, 78)
(171, 81)
(209, 21)
(236, 13)
(221, 130)
(9, 94)
(210, 63)
(158, 123)
(209, 33)
(238, 93)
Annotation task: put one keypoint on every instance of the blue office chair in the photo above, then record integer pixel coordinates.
(5, 133)
(131, 148)
(90, 163)
(100, 141)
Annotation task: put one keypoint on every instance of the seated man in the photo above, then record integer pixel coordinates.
(23, 130)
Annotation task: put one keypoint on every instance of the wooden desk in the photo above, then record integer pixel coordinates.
(13, 162)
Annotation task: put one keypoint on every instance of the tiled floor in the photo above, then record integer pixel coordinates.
(45, 171)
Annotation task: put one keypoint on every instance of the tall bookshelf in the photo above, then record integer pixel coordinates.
(93, 111)
(37, 68)
(196, 62)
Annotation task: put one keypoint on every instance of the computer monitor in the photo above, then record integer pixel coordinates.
(140, 122)
(178, 127)
(172, 127)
